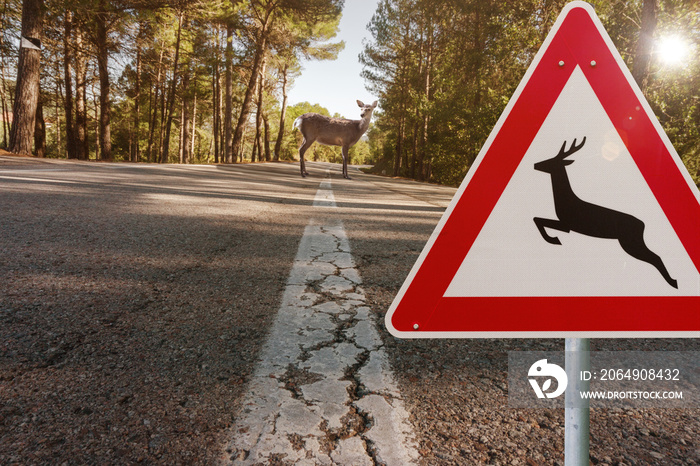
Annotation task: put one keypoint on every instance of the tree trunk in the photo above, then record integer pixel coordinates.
(171, 93)
(152, 100)
(267, 137)
(259, 113)
(3, 96)
(399, 146)
(40, 130)
(181, 134)
(260, 52)
(185, 120)
(28, 77)
(161, 110)
(101, 32)
(283, 114)
(401, 124)
(404, 161)
(3, 88)
(426, 116)
(645, 44)
(82, 150)
(228, 89)
(216, 107)
(5, 114)
(135, 150)
(417, 108)
(193, 121)
(58, 99)
(96, 105)
(239, 154)
(423, 148)
(414, 149)
(247, 99)
(153, 105)
(254, 152)
(68, 80)
(256, 141)
(221, 104)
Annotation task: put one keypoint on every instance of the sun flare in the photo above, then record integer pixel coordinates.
(672, 50)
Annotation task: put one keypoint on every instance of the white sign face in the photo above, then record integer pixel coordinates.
(511, 258)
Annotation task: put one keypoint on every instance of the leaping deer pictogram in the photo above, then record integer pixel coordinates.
(589, 219)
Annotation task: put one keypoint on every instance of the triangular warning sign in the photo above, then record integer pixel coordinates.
(577, 219)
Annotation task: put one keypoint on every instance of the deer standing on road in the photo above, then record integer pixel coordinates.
(589, 219)
(332, 132)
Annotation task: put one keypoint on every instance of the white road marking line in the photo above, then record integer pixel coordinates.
(324, 195)
(39, 180)
(323, 392)
(25, 170)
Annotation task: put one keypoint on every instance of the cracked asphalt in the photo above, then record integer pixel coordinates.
(323, 392)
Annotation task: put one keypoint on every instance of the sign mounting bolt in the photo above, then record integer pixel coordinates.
(561, 63)
(415, 326)
(593, 63)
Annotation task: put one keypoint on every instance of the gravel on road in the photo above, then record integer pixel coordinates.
(134, 301)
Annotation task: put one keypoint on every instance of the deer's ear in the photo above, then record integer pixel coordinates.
(360, 104)
(374, 104)
(568, 162)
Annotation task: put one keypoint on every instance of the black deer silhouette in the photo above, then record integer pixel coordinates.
(589, 219)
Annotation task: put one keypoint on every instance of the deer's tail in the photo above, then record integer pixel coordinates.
(297, 123)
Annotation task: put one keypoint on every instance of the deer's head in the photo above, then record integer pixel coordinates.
(366, 110)
(559, 161)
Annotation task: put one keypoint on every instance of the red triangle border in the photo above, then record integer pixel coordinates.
(421, 310)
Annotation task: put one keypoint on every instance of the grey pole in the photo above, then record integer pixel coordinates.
(576, 411)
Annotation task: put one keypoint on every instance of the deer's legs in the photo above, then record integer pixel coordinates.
(345, 162)
(302, 150)
(634, 246)
(543, 223)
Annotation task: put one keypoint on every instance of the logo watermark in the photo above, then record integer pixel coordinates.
(554, 372)
(634, 379)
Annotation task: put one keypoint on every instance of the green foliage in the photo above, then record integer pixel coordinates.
(10, 24)
(149, 66)
(445, 70)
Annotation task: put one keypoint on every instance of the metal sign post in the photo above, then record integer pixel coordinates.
(576, 411)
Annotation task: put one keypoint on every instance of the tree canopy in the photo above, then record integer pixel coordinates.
(444, 71)
(207, 80)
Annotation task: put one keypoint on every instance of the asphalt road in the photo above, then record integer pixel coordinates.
(135, 302)
(136, 298)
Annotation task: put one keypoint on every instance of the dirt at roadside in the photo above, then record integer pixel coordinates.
(457, 390)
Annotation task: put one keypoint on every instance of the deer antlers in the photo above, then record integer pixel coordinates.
(563, 153)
